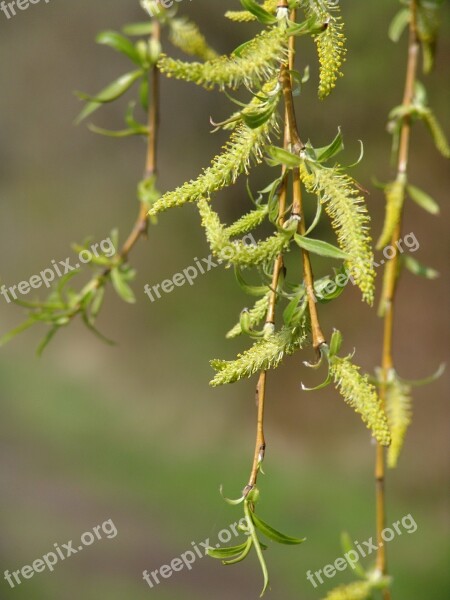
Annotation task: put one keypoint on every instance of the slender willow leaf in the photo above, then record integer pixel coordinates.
(113, 91)
(336, 146)
(273, 534)
(121, 287)
(279, 156)
(256, 543)
(320, 247)
(11, 334)
(398, 24)
(241, 556)
(423, 199)
(347, 546)
(417, 268)
(123, 133)
(228, 552)
(256, 9)
(119, 43)
(47, 339)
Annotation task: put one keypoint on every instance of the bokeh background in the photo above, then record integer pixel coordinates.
(133, 433)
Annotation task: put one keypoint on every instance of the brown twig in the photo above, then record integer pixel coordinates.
(141, 226)
(292, 142)
(297, 207)
(390, 287)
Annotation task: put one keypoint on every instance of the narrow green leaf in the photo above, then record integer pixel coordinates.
(260, 13)
(47, 339)
(16, 331)
(321, 248)
(63, 282)
(316, 217)
(97, 302)
(291, 308)
(423, 199)
(114, 90)
(436, 131)
(279, 156)
(123, 133)
(258, 118)
(228, 552)
(273, 534)
(249, 514)
(398, 24)
(321, 386)
(230, 501)
(327, 289)
(417, 268)
(312, 26)
(119, 43)
(425, 380)
(347, 546)
(95, 331)
(241, 556)
(327, 152)
(335, 343)
(130, 119)
(251, 290)
(122, 288)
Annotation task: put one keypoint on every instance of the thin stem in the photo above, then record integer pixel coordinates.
(260, 446)
(278, 268)
(390, 287)
(297, 210)
(297, 207)
(141, 226)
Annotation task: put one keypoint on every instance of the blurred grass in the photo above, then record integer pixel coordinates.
(82, 460)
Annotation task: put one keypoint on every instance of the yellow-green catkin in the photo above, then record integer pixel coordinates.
(399, 413)
(349, 218)
(360, 590)
(395, 198)
(361, 395)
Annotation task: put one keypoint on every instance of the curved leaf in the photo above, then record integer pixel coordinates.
(112, 92)
(119, 43)
(273, 534)
(320, 247)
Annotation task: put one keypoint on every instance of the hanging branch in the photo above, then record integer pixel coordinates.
(64, 302)
(394, 393)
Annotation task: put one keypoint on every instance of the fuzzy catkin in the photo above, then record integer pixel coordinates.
(361, 395)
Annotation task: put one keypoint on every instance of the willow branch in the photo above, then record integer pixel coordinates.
(141, 226)
(278, 268)
(297, 207)
(391, 276)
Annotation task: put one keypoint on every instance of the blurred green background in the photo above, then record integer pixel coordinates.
(133, 433)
